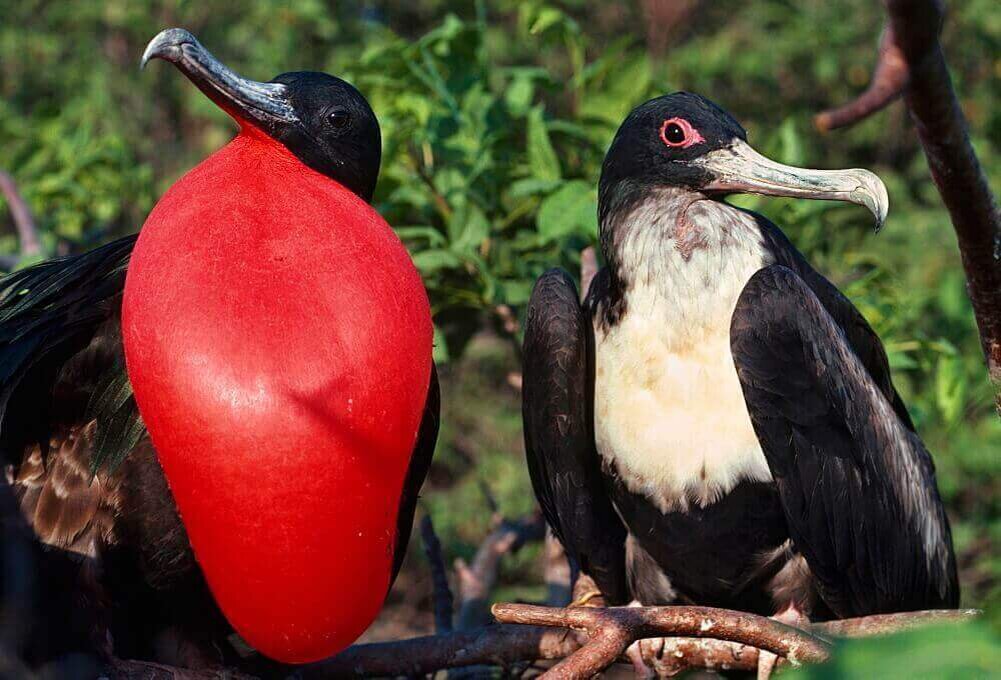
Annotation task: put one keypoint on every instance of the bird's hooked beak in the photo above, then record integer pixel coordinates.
(263, 104)
(740, 169)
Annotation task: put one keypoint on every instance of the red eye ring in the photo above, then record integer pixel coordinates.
(691, 135)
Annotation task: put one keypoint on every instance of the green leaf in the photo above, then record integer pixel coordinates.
(546, 18)
(531, 186)
(955, 651)
(542, 158)
(431, 261)
(572, 209)
(470, 227)
(434, 237)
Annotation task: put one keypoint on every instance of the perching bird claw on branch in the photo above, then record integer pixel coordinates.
(707, 638)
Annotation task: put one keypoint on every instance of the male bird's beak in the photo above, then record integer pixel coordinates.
(263, 104)
(740, 169)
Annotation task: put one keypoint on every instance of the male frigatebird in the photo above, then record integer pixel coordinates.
(716, 424)
(277, 338)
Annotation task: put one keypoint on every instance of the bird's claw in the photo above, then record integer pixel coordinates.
(585, 598)
(767, 660)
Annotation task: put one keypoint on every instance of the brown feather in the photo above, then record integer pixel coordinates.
(63, 503)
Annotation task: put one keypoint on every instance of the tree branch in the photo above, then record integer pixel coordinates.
(443, 601)
(27, 232)
(476, 580)
(145, 670)
(506, 644)
(611, 630)
(889, 79)
(911, 61)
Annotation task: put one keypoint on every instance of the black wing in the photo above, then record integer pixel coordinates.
(417, 471)
(557, 410)
(857, 485)
(860, 335)
(61, 361)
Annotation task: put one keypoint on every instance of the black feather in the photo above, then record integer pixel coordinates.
(857, 485)
(557, 409)
(60, 330)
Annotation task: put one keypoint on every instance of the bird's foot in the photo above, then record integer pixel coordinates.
(766, 660)
(585, 598)
(647, 657)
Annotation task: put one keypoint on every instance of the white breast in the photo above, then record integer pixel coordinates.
(669, 411)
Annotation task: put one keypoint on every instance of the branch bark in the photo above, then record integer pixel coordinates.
(27, 232)
(911, 62)
(611, 630)
(476, 580)
(442, 600)
(144, 670)
(508, 643)
(889, 79)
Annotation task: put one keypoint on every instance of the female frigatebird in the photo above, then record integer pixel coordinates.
(278, 341)
(716, 423)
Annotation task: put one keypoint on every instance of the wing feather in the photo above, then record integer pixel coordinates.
(557, 410)
(857, 484)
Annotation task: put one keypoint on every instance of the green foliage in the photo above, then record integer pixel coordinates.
(940, 652)
(495, 118)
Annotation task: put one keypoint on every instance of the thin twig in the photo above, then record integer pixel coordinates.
(588, 268)
(556, 571)
(27, 232)
(889, 79)
(440, 202)
(476, 580)
(442, 599)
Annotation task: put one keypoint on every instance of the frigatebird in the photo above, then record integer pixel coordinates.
(716, 423)
(257, 364)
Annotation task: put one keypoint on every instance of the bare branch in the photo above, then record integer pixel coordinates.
(556, 571)
(588, 268)
(663, 19)
(884, 624)
(143, 670)
(27, 232)
(495, 645)
(476, 580)
(443, 602)
(888, 82)
(610, 631)
(508, 644)
(911, 58)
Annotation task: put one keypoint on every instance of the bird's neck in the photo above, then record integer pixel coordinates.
(681, 249)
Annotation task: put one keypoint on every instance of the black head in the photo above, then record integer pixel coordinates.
(659, 139)
(321, 119)
(685, 141)
(336, 132)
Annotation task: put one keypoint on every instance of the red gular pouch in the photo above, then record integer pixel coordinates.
(278, 339)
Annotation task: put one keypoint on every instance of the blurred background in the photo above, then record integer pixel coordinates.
(495, 118)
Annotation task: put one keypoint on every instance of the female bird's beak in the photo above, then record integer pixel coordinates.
(740, 169)
(266, 105)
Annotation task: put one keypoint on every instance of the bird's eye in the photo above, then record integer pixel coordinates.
(678, 132)
(338, 119)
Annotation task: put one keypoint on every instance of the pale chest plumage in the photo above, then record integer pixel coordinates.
(669, 412)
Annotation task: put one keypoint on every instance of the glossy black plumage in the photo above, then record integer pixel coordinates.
(857, 485)
(61, 316)
(559, 438)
